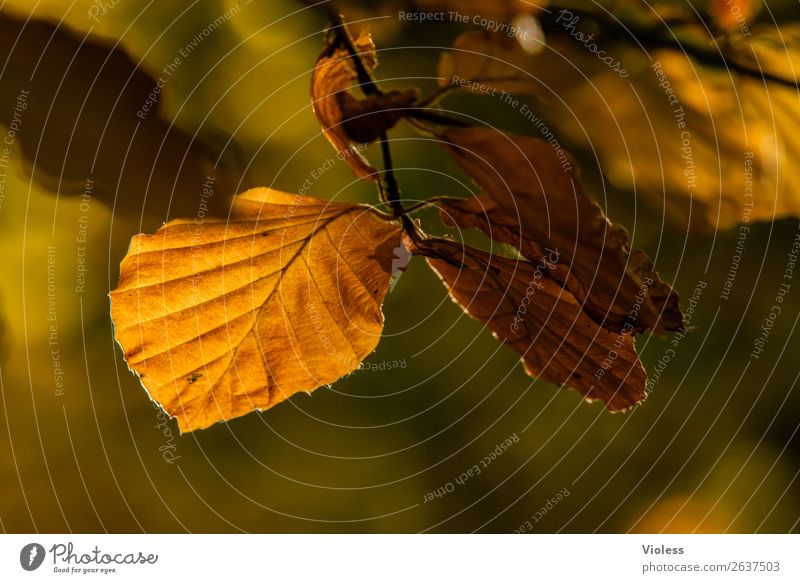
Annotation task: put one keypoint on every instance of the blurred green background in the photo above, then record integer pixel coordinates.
(714, 448)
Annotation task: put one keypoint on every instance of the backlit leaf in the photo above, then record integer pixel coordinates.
(219, 318)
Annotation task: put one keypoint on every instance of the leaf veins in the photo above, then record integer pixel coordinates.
(527, 309)
(539, 203)
(225, 317)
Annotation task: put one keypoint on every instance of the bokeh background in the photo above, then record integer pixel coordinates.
(713, 449)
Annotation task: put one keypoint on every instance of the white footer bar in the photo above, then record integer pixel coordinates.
(401, 558)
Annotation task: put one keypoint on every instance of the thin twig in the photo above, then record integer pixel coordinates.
(368, 84)
(430, 202)
(393, 190)
(370, 87)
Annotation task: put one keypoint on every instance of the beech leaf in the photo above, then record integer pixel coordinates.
(225, 317)
(527, 309)
(536, 195)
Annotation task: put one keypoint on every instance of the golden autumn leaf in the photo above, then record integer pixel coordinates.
(526, 308)
(220, 318)
(724, 148)
(695, 138)
(346, 120)
(536, 192)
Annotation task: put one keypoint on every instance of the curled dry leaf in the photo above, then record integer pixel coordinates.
(331, 81)
(526, 308)
(221, 318)
(695, 139)
(535, 194)
(346, 119)
(366, 119)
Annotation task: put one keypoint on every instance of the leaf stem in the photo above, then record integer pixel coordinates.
(391, 193)
(430, 202)
(370, 87)
(392, 188)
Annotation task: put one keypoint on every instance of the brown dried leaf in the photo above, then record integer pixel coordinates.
(481, 212)
(364, 120)
(543, 200)
(225, 317)
(528, 310)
